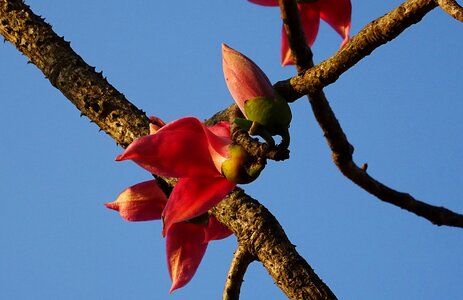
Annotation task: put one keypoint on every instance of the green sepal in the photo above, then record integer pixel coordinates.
(274, 114)
(243, 123)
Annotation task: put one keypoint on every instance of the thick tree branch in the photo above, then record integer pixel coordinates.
(452, 8)
(255, 227)
(260, 233)
(375, 34)
(342, 150)
(88, 90)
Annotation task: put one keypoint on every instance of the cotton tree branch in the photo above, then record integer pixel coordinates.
(260, 233)
(255, 227)
(342, 150)
(372, 36)
(241, 260)
(88, 90)
(452, 8)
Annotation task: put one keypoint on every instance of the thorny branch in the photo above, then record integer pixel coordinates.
(342, 150)
(241, 260)
(372, 36)
(255, 227)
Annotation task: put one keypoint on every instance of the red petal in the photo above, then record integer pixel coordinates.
(218, 136)
(141, 202)
(192, 197)
(221, 129)
(179, 149)
(265, 2)
(337, 13)
(286, 55)
(185, 250)
(245, 80)
(310, 19)
(215, 230)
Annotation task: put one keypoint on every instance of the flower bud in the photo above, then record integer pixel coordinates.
(240, 167)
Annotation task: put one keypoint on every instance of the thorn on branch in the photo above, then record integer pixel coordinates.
(364, 167)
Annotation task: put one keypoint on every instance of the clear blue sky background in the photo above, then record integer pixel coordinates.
(401, 108)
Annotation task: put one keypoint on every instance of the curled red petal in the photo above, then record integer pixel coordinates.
(310, 19)
(219, 139)
(141, 202)
(185, 249)
(286, 53)
(192, 197)
(215, 230)
(337, 13)
(221, 129)
(178, 149)
(245, 80)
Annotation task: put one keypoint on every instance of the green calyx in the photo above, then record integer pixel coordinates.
(267, 117)
(241, 167)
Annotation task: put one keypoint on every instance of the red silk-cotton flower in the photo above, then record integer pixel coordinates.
(186, 243)
(194, 153)
(337, 13)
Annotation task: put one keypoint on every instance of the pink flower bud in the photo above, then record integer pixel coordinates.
(245, 80)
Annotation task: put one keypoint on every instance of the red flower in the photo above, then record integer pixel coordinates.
(186, 243)
(188, 150)
(337, 13)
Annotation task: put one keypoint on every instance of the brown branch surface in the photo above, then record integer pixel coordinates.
(372, 36)
(261, 234)
(255, 227)
(241, 260)
(452, 8)
(88, 90)
(342, 150)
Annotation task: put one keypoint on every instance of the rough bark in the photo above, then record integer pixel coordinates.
(372, 36)
(342, 150)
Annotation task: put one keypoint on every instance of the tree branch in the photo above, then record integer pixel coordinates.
(342, 150)
(452, 8)
(375, 34)
(255, 227)
(241, 260)
(88, 90)
(259, 232)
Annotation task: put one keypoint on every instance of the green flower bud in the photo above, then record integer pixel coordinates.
(240, 167)
(273, 114)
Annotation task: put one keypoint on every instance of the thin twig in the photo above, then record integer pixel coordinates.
(452, 8)
(302, 54)
(342, 150)
(241, 260)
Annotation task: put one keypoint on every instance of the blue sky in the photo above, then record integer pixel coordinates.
(400, 107)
